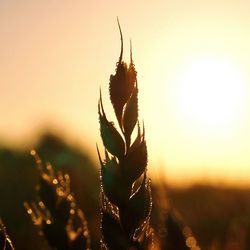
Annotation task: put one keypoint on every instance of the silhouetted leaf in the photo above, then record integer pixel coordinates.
(131, 69)
(111, 138)
(110, 179)
(114, 187)
(139, 202)
(138, 208)
(138, 138)
(135, 162)
(121, 85)
(130, 115)
(114, 236)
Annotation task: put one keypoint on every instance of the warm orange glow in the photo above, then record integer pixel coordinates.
(211, 96)
(193, 65)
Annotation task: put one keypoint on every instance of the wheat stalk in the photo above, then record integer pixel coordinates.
(5, 242)
(56, 213)
(125, 195)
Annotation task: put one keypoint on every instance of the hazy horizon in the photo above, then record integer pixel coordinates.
(192, 60)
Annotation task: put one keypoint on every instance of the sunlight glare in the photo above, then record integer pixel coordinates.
(211, 94)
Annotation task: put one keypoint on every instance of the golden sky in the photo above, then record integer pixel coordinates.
(193, 65)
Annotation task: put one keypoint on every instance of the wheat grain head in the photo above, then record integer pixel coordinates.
(125, 196)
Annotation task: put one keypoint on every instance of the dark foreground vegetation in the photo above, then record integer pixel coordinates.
(219, 217)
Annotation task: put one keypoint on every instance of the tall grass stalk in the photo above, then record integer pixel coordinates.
(125, 196)
(5, 242)
(55, 213)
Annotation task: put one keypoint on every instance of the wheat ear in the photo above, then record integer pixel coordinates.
(125, 195)
(5, 242)
(56, 214)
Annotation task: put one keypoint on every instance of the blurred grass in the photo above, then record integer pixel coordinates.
(18, 180)
(218, 216)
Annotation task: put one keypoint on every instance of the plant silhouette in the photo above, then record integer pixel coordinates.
(5, 242)
(56, 214)
(125, 197)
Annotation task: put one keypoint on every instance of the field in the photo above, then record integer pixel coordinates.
(218, 216)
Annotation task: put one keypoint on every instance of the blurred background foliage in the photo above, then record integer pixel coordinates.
(218, 216)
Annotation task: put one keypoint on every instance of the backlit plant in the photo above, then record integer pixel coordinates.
(125, 196)
(5, 242)
(56, 214)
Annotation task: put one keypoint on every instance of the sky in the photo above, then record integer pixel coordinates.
(192, 59)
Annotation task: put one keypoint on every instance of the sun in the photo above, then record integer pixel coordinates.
(211, 94)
